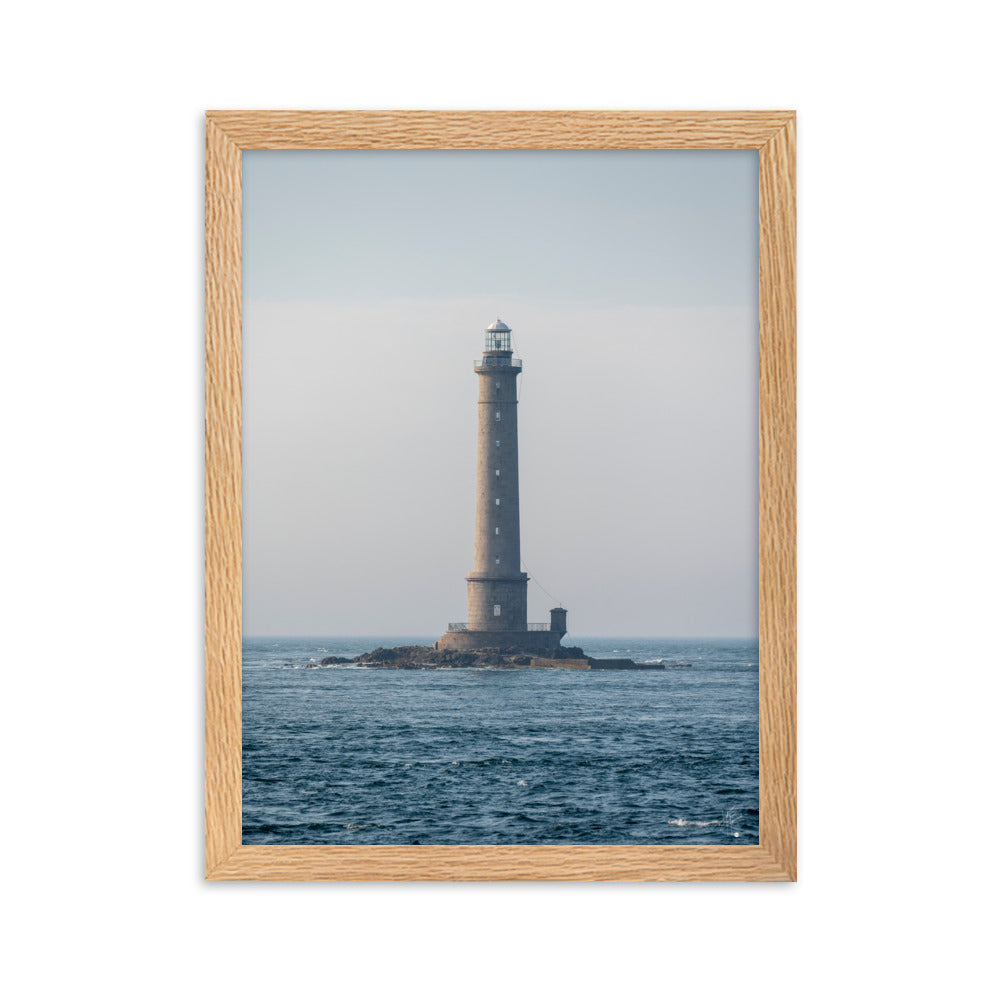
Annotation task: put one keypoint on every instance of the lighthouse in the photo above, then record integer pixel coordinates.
(497, 588)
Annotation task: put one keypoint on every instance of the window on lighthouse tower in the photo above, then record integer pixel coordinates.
(496, 610)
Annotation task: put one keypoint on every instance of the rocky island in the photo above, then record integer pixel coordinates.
(499, 658)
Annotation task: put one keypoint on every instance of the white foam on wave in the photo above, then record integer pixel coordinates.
(694, 822)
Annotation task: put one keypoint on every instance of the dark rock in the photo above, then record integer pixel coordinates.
(378, 655)
(429, 658)
(330, 660)
(567, 653)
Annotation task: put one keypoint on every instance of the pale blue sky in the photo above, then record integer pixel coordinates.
(630, 281)
(628, 227)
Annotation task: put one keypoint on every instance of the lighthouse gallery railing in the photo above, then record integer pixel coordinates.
(493, 362)
(532, 627)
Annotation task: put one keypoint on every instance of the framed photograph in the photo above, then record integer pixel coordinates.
(500, 495)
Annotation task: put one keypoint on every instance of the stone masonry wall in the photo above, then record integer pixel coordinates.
(496, 578)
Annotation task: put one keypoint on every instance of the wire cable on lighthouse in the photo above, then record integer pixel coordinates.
(539, 586)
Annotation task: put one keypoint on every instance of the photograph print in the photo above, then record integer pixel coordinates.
(500, 515)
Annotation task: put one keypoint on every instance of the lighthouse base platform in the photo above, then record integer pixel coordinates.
(506, 640)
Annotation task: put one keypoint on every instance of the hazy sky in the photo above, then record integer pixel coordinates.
(630, 281)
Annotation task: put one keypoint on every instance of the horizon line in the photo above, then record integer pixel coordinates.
(412, 635)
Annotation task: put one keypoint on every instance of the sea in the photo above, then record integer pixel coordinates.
(355, 755)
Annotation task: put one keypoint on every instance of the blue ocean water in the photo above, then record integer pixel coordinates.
(352, 755)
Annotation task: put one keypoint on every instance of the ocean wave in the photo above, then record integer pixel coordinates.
(312, 665)
(629, 759)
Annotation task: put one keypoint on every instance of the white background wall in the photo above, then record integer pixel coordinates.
(101, 407)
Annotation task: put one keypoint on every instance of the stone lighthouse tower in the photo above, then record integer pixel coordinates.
(497, 589)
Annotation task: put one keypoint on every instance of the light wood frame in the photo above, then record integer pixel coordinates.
(228, 133)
